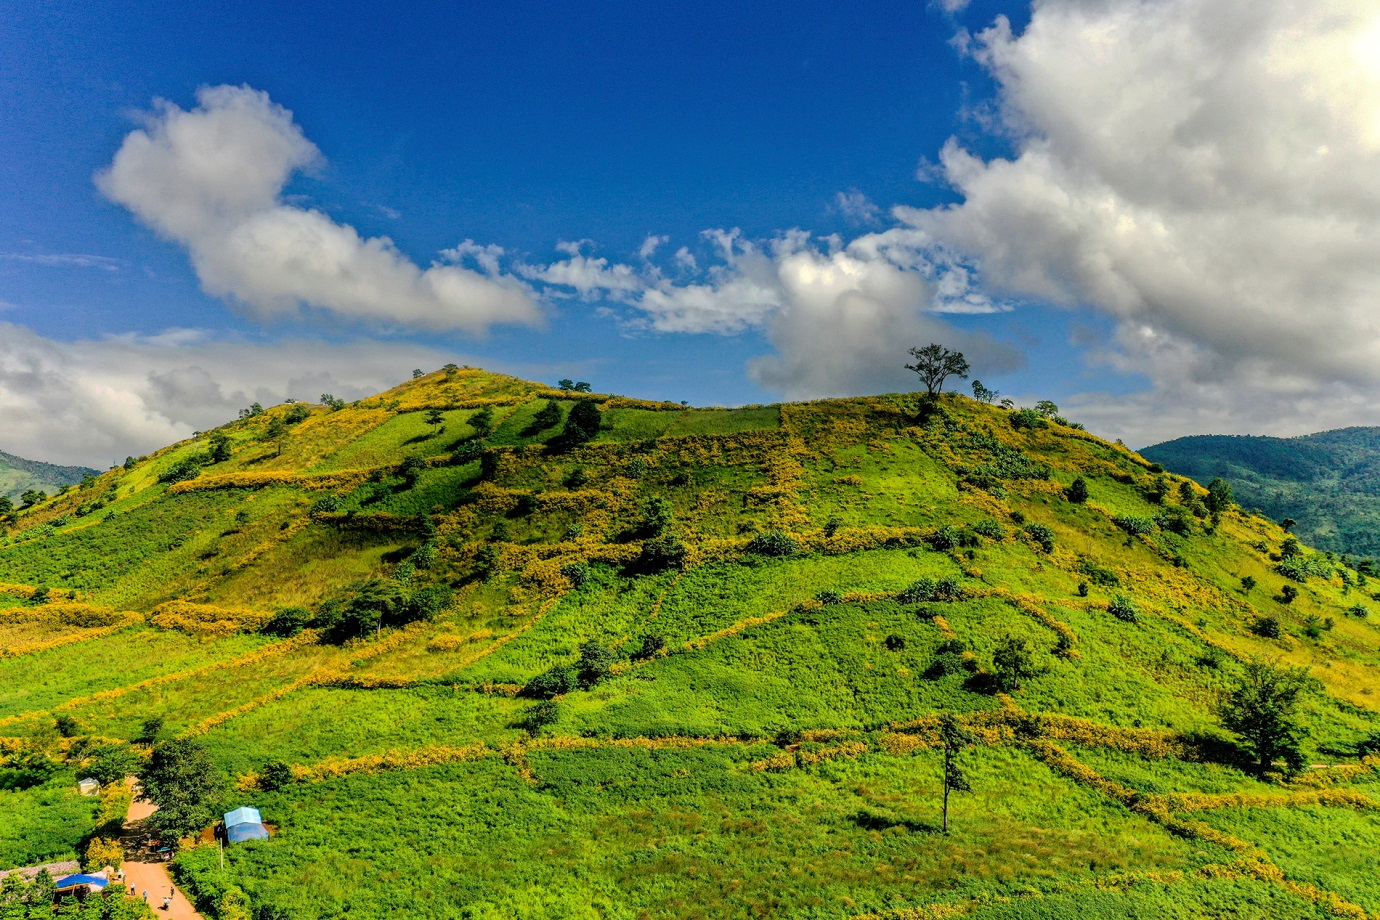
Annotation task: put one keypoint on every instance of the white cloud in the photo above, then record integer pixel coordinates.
(1205, 171)
(856, 208)
(113, 397)
(211, 179)
(650, 245)
(65, 260)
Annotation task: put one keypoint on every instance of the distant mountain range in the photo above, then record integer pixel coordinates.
(1328, 482)
(18, 475)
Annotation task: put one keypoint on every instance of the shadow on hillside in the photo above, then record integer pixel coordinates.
(870, 821)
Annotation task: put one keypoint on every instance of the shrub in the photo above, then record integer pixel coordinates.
(651, 646)
(636, 468)
(1082, 589)
(943, 665)
(181, 471)
(1134, 526)
(1042, 535)
(991, 529)
(660, 553)
(582, 425)
(111, 763)
(1266, 626)
(596, 660)
(1124, 609)
(895, 643)
(829, 597)
(1358, 610)
(1248, 583)
(1026, 419)
(540, 716)
(554, 681)
(287, 622)
(773, 543)
(919, 591)
(67, 727)
(1078, 491)
(948, 589)
(326, 505)
(1287, 594)
(942, 539)
(832, 526)
(275, 775)
(578, 574)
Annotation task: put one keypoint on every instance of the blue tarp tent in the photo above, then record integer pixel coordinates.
(72, 881)
(244, 824)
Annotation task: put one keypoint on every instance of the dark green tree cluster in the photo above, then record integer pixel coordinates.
(186, 785)
(1262, 709)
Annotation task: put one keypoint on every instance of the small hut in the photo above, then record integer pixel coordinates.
(244, 824)
(88, 786)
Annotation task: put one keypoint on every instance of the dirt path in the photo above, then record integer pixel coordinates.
(145, 872)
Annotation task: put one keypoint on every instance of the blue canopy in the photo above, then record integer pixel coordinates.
(244, 815)
(72, 881)
(237, 833)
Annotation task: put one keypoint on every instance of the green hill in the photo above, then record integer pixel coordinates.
(477, 648)
(1328, 482)
(18, 476)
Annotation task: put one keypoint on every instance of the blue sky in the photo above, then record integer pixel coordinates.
(569, 133)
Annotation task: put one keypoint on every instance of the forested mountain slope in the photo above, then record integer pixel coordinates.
(18, 476)
(1328, 482)
(480, 648)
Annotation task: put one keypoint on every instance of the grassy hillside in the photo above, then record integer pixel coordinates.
(18, 476)
(691, 664)
(1328, 482)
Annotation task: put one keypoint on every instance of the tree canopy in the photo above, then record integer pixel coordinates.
(934, 364)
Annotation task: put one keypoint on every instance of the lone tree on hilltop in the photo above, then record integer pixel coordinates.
(1262, 710)
(934, 364)
(954, 738)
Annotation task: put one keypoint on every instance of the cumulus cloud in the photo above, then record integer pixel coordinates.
(96, 401)
(1205, 171)
(212, 179)
(857, 208)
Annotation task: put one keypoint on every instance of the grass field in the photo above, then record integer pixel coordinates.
(781, 601)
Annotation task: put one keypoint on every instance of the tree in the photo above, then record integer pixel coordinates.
(1288, 524)
(148, 734)
(275, 775)
(934, 363)
(549, 416)
(6, 505)
(954, 738)
(417, 372)
(1013, 663)
(328, 400)
(1220, 497)
(1261, 709)
(182, 780)
(111, 763)
(1078, 491)
(566, 384)
(583, 422)
(1047, 408)
(1248, 583)
(253, 410)
(32, 497)
(982, 394)
(66, 726)
(275, 432)
(435, 418)
(220, 448)
(482, 422)
(596, 661)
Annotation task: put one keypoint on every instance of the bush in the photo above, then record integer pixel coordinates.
(1358, 610)
(1124, 609)
(992, 530)
(582, 425)
(287, 622)
(326, 505)
(829, 597)
(943, 539)
(540, 716)
(1134, 526)
(773, 543)
(577, 573)
(895, 643)
(1287, 594)
(1266, 626)
(1077, 491)
(181, 471)
(660, 553)
(1042, 535)
(919, 591)
(554, 681)
(943, 665)
(596, 661)
(1026, 419)
(275, 775)
(651, 646)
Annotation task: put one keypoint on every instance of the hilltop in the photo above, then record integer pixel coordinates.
(1328, 482)
(18, 476)
(477, 647)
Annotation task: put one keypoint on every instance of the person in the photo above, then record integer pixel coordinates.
(167, 902)
(131, 889)
(146, 895)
